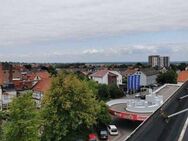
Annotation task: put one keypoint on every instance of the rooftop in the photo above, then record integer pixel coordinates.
(149, 71)
(182, 76)
(99, 73)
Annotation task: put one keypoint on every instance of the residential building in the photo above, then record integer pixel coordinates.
(7, 93)
(107, 77)
(41, 86)
(154, 60)
(5, 73)
(182, 77)
(146, 77)
(159, 61)
(164, 61)
(128, 72)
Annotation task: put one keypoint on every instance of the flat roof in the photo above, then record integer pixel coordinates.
(166, 91)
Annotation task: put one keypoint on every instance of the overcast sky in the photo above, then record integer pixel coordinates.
(92, 30)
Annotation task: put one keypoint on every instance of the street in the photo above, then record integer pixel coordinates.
(125, 128)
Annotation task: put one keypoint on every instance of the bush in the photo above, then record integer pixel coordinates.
(115, 92)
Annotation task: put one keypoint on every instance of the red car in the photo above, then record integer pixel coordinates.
(92, 137)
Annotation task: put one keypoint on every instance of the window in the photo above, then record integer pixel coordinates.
(5, 97)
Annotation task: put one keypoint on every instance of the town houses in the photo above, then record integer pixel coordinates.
(17, 79)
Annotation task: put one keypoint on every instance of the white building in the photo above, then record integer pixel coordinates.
(147, 76)
(6, 97)
(159, 61)
(164, 61)
(107, 77)
(154, 60)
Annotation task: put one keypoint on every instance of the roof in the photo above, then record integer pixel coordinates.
(128, 72)
(41, 74)
(149, 71)
(182, 76)
(100, 73)
(43, 85)
(112, 74)
(22, 84)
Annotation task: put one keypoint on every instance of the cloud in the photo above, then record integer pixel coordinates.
(27, 21)
(93, 51)
(138, 53)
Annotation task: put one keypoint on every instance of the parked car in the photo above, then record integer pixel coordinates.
(102, 131)
(112, 129)
(92, 137)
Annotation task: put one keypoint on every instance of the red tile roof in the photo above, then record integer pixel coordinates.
(22, 85)
(182, 76)
(43, 85)
(41, 74)
(99, 73)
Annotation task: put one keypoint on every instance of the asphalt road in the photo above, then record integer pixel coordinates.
(125, 128)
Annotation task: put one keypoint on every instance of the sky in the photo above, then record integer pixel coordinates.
(93, 30)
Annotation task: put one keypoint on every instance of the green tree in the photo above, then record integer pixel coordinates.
(138, 65)
(103, 92)
(93, 85)
(168, 77)
(23, 120)
(173, 67)
(3, 117)
(182, 66)
(52, 70)
(115, 92)
(103, 115)
(69, 106)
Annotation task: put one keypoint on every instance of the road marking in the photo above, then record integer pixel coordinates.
(183, 130)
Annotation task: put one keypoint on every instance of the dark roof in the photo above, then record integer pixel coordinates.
(149, 71)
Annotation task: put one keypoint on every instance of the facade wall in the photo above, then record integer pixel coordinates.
(104, 79)
(119, 77)
(98, 80)
(112, 80)
(6, 97)
(164, 61)
(37, 96)
(151, 79)
(154, 60)
(146, 80)
(143, 79)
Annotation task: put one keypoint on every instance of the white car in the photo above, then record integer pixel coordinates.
(112, 129)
